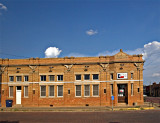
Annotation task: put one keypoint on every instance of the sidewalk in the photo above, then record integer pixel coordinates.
(79, 109)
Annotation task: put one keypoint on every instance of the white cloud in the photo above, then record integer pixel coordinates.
(3, 7)
(52, 52)
(91, 32)
(156, 75)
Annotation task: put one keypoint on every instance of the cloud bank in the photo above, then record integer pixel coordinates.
(52, 52)
(91, 32)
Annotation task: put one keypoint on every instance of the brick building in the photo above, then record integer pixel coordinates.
(72, 81)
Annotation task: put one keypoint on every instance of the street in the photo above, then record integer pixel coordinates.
(143, 116)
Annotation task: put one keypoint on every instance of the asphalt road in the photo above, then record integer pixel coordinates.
(143, 116)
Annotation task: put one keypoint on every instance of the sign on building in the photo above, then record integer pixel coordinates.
(122, 75)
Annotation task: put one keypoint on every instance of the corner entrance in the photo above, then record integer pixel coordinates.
(18, 95)
(122, 93)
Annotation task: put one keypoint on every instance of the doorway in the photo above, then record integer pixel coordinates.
(122, 93)
(18, 95)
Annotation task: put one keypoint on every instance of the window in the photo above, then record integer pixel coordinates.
(43, 91)
(11, 91)
(43, 77)
(131, 75)
(138, 90)
(86, 90)
(78, 77)
(104, 91)
(19, 78)
(87, 77)
(51, 77)
(111, 89)
(60, 90)
(25, 91)
(95, 76)
(26, 78)
(51, 90)
(111, 76)
(69, 92)
(11, 78)
(131, 89)
(60, 77)
(78, 90)
(95, 90)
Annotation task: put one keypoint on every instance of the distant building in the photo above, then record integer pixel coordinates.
(72, 81)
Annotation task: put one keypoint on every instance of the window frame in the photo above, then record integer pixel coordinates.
(44, 80)
(58, 89)
(93, 76)
(17, 78)
(93, 90)
(25, 91)
(50, 78)
(25, 78)
(78, 75)
(111, 76)
(10, 92)
(50, 90)
(86, 79)
(41, 91)
(111, 86)
(132, 76)
(60, 77)
(10, 79)
(85, 91)
(78, 90)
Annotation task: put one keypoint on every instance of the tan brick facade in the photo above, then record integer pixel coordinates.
(49, 82)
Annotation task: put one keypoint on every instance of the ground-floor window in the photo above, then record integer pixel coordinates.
(25, 91)
(95, 90)
(86, 90)
(60, 90)
(43, 91)
(11, 91)
(111, 89)
(78, 90)
(51, 90)
(132, 89)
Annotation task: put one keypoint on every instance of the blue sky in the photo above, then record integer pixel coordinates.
(29, 27)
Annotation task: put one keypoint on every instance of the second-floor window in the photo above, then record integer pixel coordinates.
(51, 77)
(19, 78)
(78, 77)
(26, 78)
(43, 77)
(95, 77)
(11, 78)
(59, 77)
(86, 77)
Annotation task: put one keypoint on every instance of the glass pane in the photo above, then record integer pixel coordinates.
(26, 91)
(11, 91)
(60, 90)
(43, 90)
(51, 91)
(78, 77)
(87, 77)
(95, 90)
(51, 77)
(95, 76)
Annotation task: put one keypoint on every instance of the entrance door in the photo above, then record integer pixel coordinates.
(122, 93)
(18, 95)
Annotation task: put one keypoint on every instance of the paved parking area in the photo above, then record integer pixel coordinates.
(144, 116)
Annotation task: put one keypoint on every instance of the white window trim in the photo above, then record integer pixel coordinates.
(49, 91)
(75, 91)
(60, 80)
(87, 79)
(95, 79)
(17, 80)
(24, 92)
(24, 78)
(84, 91)
(40, 78)
(76, 79)
(98, 91)
(40, 92)
(9, 92)
(9, 79)
(50, 79)
(57, 91)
